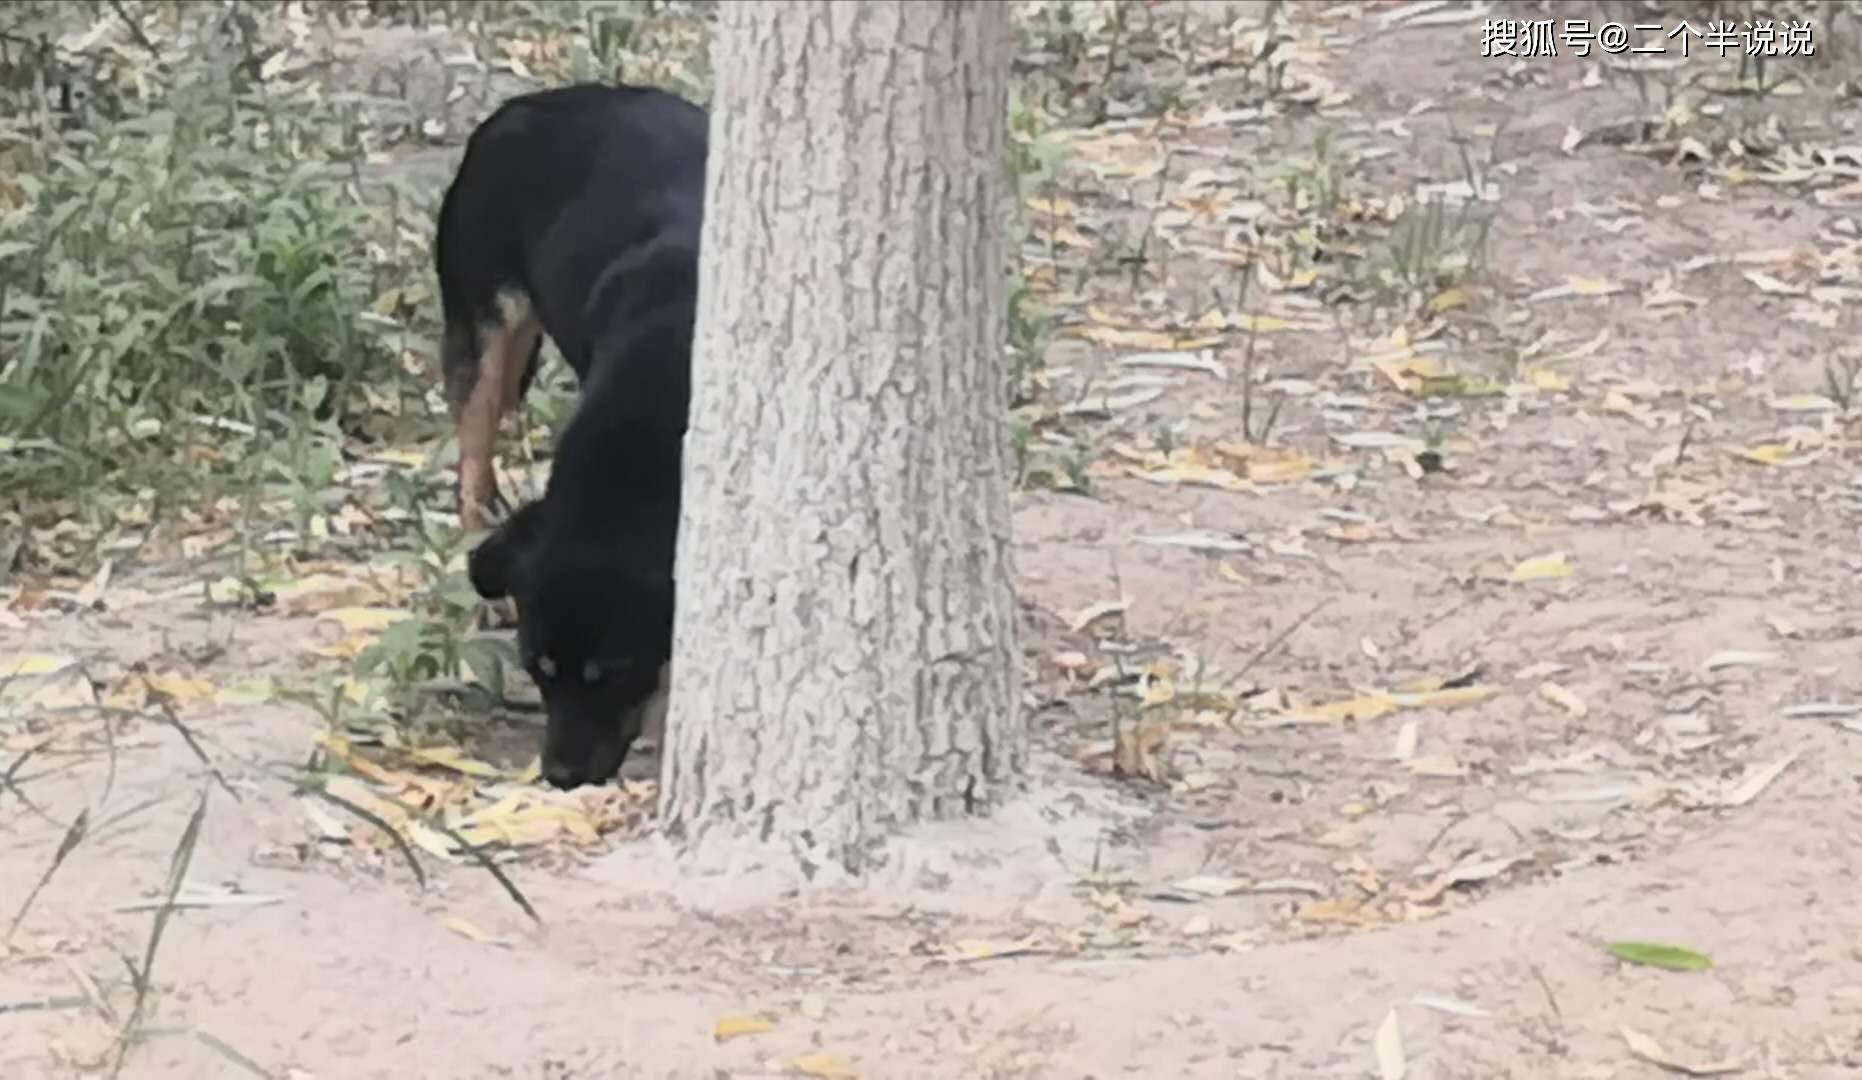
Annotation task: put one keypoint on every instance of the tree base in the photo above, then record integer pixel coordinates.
(1030, 851)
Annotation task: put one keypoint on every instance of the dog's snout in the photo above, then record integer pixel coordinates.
(562, 775)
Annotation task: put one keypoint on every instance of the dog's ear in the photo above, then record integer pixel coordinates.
(495, 565)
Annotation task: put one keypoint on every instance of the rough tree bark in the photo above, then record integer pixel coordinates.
(846, 660)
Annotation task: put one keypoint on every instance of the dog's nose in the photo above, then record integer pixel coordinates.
(561, 775)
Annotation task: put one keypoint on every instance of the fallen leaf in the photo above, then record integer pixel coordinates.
(179, 687)
(246, 692)
(1203, 361)
(1651, 1051)
(1820, 710)
(1543, 568)
(971, 950)
(1563, 698)
(1378, 440)
(1448, 697)
(1771, 286)
(1206, 885)
(826, 1066)
(1106, 403)
(1391, 1064)
(1092, 613)
(1804, 403)
(1547, 379)
(1767, 453)
(1756, 781)
(452, 757)
(1441, 765)
(1452, 1006)
(364, 619)
(1576, 286)
(25, 665)
(466, 929)
(1651, 954)
(734, 1025)
(1148, 340)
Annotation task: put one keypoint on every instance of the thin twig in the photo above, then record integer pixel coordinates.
(135, 28)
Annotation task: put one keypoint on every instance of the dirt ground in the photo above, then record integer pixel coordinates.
(1597, 678)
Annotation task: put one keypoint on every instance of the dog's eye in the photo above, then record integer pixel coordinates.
(546, 667)
(591, 672)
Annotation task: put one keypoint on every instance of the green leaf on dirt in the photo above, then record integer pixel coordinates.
(1651, 954)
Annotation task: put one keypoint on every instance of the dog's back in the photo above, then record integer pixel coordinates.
(555, 187)
(575, 212)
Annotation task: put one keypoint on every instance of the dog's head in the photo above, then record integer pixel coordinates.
(594, 629)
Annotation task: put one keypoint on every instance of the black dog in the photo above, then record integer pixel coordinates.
(576, 213)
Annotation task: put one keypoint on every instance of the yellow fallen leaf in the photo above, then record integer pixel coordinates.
(1448, 300)
(1286, 470)
(179, 687)
(1043, 205)
(132, 694)
(736, 1025)
(1193, 475)
(26, 665)
(1404, 372)
(1439, 765)
(1543, 568)
(1157, 692)
(323, 591)
(347, 649)
(1547, 379)
(1447, 698)
(1618, 402)
(467, 930)
(246, 692)
(411, 457)
(826, 1066)
(1804, 403)
(1258, 324)
(1358, 708)
(1767, 453)
(363, 619)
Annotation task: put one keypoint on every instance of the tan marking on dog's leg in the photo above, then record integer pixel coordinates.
(500, 373)
(477, 425)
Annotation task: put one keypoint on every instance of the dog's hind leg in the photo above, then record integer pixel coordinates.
(481, 390)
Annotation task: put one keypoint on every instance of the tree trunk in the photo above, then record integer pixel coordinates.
(846, 659)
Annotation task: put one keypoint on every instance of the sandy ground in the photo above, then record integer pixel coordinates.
(1408, 885)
